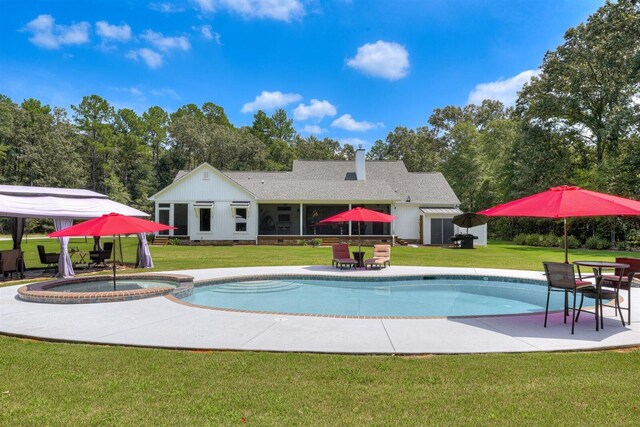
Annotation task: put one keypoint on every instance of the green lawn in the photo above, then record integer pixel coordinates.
(73, 384)
(496, 255)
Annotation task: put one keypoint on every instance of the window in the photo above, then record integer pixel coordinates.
(241, 219)
(205, 176)
(205, 219)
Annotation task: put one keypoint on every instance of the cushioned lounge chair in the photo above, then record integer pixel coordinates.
(381, 257)
(342, 257)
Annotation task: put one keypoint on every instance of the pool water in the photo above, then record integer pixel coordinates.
(398, 297)
(107, 285)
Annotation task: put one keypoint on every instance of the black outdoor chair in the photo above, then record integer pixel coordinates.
(49, 259)
(100, 257)
(561, 277)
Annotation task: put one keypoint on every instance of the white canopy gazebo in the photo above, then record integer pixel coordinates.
(63, 205)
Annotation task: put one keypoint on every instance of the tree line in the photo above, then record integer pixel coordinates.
(576, 122)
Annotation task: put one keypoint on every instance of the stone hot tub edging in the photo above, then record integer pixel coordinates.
(41, 293)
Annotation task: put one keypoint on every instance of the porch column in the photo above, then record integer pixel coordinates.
(301, 224)
(349, 221)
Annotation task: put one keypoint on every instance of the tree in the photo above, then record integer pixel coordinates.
(587, 86)
(93, 117)
(156, 121)
(215, 114)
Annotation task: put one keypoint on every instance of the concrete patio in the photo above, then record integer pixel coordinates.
(161, 322)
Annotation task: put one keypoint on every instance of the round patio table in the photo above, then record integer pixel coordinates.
(597, 267)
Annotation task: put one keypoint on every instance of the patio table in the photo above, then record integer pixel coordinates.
(82, 255)
(359, 257)
(597, 267)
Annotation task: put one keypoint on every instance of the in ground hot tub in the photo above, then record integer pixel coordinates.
(83, 290)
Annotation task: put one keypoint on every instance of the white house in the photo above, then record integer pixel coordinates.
(209, 205)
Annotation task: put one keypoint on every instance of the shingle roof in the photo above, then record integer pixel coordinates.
(336, 180)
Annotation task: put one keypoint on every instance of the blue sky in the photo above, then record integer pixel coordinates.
(348, 69)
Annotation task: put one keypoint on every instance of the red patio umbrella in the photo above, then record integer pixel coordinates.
(566, 202)
(111, 225)
(359, 214)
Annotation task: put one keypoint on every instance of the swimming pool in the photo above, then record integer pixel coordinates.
(435, 296)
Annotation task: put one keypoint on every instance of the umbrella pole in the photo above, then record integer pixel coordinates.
(566, 249)
(114, 264)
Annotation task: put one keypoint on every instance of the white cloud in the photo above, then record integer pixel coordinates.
(503, 90)
(348, 123)
(356, 142)
(121, 33)
(280, 10)
(165, 7)
(388, 60)
(49, 35)
(316, 109)
(206, 5)
(313, 129)
(166, 43)
(135, 91)
(208, 33)
(270, 100)
(150, 57)
(166, 92)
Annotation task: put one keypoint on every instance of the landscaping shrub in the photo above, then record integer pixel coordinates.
(572, 242)
(633, 239)
(533, 240)
(548, 240)
(521, 239)
(174, 242)
(595, 242)
(302, 242)
(316, 242)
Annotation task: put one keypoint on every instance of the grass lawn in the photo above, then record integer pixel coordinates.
(73, 384)
(496, 255)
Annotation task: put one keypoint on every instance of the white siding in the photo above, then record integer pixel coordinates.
(407, 225)
(219, 189)
(193, 187)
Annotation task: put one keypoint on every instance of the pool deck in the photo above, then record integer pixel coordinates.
(161, 322)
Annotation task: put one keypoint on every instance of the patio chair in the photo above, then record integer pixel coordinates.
(99, 257)
(342, 257)
(10, 262)
(561, 278)
(50, 259)
(617, 282)
(381, 257)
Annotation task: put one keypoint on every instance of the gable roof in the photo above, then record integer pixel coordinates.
(321, 180)
(181, 175)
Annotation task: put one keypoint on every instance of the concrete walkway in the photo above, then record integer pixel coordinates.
(160, 322)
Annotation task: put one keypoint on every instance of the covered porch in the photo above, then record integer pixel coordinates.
(285, 223)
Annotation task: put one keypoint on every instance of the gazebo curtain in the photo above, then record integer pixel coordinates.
(144, 255)
(65, 267)
(17, 230)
